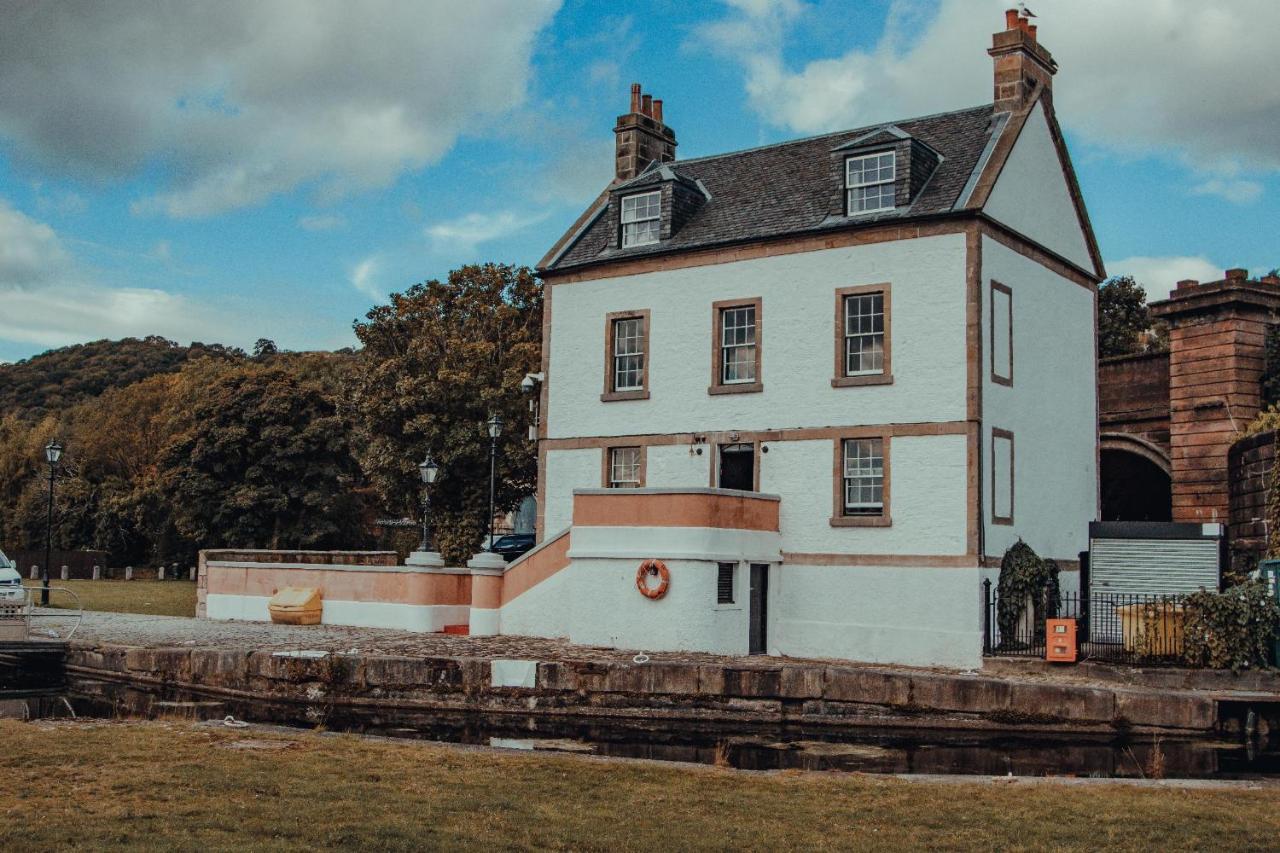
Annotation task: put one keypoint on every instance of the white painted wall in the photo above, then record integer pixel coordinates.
(567, 470)
(928, 492)
(595, 602)
(878, 614)
(1032, 196)
(1051, 408)
(361, 614)
(797, 334)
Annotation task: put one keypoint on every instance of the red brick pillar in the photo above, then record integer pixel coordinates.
(1217, 334)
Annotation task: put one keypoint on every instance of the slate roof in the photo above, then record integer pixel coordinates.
(785, 189)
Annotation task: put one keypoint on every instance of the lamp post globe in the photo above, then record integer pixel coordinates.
(494, 426)
(429, 472)
(52, 455)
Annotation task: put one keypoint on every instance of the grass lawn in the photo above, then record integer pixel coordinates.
(176, 785)
(158, 598)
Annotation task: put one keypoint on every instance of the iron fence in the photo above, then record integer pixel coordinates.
(1117, 627)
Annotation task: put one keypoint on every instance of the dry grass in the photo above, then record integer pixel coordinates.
(173, 785)
(156, 598)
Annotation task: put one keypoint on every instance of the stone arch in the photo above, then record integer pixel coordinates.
(1136, 479)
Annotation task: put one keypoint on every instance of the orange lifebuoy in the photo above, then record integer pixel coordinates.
(653, 567)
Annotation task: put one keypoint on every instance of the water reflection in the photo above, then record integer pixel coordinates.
(743, 746)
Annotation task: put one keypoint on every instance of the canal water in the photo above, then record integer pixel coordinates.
(920, 750)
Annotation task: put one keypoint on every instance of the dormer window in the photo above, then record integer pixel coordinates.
(869, 183)
(641, 219)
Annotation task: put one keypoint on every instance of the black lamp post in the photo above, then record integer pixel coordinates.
(429, 470)
(495, 429)
(52, 453)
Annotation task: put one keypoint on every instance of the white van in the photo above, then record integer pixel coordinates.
(10, 580)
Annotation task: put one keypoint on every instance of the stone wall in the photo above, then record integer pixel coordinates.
(1133, 396)
(1249, 463)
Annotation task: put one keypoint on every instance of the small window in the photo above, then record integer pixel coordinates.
(864, 334)
(641, 219)
(628, 354)
(738, 344)
(869, 182)
(724, 583)
(624, 468)
(863, 477)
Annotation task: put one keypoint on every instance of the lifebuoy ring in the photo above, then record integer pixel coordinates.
(653, 567)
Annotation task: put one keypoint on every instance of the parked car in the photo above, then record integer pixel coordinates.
(512, 545)
(10, 580)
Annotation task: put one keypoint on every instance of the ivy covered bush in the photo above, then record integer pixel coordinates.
(1233, 629)
(1023, 576)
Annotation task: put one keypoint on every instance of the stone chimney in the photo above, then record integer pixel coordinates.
(1023, 67)
(642, 137)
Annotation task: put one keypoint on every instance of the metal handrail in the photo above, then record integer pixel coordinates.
(30, 609)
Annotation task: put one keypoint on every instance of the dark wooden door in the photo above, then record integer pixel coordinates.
(758, 641)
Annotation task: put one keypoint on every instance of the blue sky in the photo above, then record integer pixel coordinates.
(272, 169)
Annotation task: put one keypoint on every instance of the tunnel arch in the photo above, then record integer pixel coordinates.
(1136, 479)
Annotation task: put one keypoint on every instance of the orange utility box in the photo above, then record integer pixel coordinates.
(1060, 640)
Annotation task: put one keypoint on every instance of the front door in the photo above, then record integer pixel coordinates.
(737, 467)
(757, 641)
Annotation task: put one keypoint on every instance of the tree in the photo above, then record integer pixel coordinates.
(265, 348)
(264, 462)
(1124, 323)
(436, 362)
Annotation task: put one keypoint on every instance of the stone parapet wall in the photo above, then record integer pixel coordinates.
(312, 558)
(1133, 396)
(770, 692)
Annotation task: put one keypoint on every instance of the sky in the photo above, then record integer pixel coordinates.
(247, 169)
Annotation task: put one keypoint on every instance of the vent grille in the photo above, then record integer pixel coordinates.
(724, 584)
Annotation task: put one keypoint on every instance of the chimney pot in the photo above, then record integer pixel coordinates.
(635, 97)
(1237, 274)
(1186, 283)
(1011, 19)
(1031, 29)
(657, 110)
(646, 106)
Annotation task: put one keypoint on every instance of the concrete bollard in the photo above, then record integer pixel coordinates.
(97, 573)
(160, 572)
(128, 573)
(35, 573)
(66, 573)
(191, 573)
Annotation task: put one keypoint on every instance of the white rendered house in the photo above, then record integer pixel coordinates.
(837, 378)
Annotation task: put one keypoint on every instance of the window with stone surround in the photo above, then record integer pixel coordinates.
(863, 333)
(869, 183)
(862, 481)
(641, 219)
(735, 347)
(1002, 462)
(625, 468)
(626, 356)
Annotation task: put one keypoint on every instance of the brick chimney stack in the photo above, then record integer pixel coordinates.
(1023, 66)
(641, 137)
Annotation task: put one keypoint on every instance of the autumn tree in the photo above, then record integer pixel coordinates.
(437, 361)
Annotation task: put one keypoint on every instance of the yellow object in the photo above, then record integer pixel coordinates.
(296, 605)
(1152, 630)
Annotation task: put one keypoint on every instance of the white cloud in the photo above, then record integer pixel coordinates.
(1177, 76)
(1234, 191)
(325, 222)
(62, 314)
(240, 100)
(464, 234)
(1160, 275)
(364, 278)
(30, 251)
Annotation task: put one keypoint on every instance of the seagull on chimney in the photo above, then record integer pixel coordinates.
(1025, 12)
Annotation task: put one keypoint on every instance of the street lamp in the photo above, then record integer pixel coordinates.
(52, 454)
(429, 470)
(495, 429)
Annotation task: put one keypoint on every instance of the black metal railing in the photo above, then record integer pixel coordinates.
(1118, 627)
